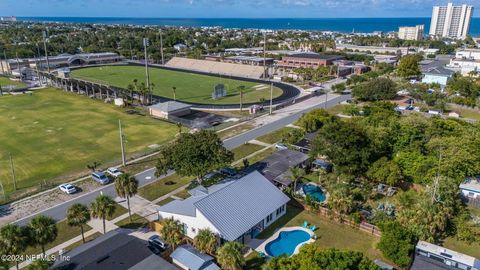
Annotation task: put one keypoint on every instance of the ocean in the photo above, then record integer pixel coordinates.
(358, 25)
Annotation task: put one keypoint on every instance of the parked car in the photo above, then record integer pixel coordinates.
(157, 242)
(228, 171)
(100, 177)
(154, 249)
(215, 123)
(68, 188)
(281, 146)
(114, 172)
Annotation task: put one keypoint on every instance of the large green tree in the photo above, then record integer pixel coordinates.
(172, 232)
(397, 243)
(43, 230)
(346, 145)
(408, 66)
(315, 119)
(77, 216)
(230, 256)
(196, 154)
(205, 241)
(385, 171)
(312, 257)
(376, 89)
(13, 240)
(126, 186)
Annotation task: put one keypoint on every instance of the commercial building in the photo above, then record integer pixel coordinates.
(304, 60)
(451, 21)
(465, 61)
(235, 210)
(411, 32)
(433, 257)
(8, 19)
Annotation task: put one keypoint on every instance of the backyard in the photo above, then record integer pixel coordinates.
(51, 135)
(190, 87)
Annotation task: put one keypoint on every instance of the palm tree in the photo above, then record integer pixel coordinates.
(126, 186)
(93, 166)
(297, 173)
(102, 207)
(77, 216)
(174, 92)
(179, 126)
(172, 232)
(13, 240)
(230, 256)
(205, 241)
(40, 265)
(340, 202)
(43, 231)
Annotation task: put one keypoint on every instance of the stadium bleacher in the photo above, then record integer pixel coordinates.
(227, 69)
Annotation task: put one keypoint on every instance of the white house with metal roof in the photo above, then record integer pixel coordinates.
(470, 189)
(430, 256)
(235, 210)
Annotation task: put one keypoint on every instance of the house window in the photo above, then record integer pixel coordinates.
(269, 218)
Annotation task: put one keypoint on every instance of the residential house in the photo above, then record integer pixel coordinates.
(235, 210)
(470, 189)
(433, 257)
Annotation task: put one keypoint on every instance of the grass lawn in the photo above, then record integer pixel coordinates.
(330, 233)
(183, 194)
(231, 132)
(163, 186)
(119, 210)
(245, 150)
(190, 87)
(165, 201)
(65, 233)
(468, 113)
(472, 249)
(6, 82)
(137, 222)
(262, 155)
(87, 239)
(52, 135)
(275, 136)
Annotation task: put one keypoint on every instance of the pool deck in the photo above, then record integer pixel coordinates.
(261, 247)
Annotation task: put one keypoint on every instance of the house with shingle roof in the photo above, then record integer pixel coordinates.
(235, 210)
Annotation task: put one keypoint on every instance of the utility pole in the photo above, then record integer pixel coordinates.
(264, 54)
(5, 57)
(161, 46)
(147, 75)
(122, 146)
(46, 50)
(13, 172)
(326, 99)
(241, 99)
(271, 98)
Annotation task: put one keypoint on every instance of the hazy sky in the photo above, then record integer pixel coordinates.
(223, 8)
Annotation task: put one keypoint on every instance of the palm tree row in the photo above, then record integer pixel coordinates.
(143, 91)
(15, 239)
(229, 255)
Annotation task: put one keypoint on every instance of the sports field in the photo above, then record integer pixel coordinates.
(51, 134)
(5, 82)
(190, 87)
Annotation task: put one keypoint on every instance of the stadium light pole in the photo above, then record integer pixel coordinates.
(147, 75)
(46, 51)
(271, 98)
(264, 53)
(12, 168)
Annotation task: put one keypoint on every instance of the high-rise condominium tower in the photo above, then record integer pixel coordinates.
(451, 21)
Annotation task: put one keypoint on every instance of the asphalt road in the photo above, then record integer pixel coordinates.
(58, 212)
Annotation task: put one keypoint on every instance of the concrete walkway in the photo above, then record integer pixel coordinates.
(170, 194)
(259, 143)
(141, 207)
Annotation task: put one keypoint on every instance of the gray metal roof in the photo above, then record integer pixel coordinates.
(170, 106)
(193, 259)
(153, 262)
(239, 206)
(276, 166)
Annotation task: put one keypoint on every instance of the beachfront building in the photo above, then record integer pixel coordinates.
(235, 210)
(430, 256)
(411, 32)
(451, 21)
(307, 60)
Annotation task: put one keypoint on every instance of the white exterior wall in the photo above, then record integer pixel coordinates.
(468, 54)
(274, 217)
(193, 224)
(464, 66)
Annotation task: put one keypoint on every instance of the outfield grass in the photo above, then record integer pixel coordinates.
(4, 81)
(52, 135)
(190, 87)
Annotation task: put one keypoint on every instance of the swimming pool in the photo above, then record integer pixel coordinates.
(286, 242)
(314, 191)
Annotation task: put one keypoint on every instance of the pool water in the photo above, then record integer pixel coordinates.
(286, 243)
(314, 191)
